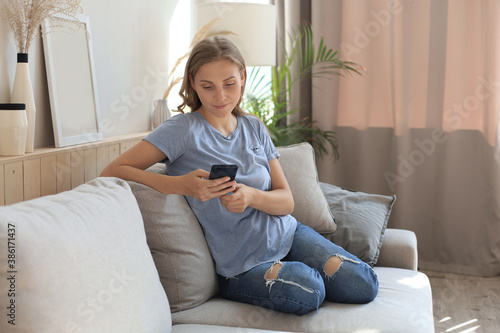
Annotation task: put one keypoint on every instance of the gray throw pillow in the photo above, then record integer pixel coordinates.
(361, 220)
(311, 207)
(177, 243)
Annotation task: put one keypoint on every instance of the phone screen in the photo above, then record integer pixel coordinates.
(223, 170)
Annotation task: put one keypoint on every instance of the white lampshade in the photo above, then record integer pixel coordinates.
(253, 24)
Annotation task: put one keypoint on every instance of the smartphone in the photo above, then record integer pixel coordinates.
(223, 170)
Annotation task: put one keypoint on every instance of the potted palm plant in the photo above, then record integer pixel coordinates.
(270, 100)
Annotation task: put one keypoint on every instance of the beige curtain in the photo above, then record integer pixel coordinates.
(422, 122)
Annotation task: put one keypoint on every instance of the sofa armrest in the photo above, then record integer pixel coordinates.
(399, 249)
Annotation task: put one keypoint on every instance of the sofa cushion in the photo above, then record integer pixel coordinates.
(80, 263)
(361, 220)
(192, 328)
(311, 207)
(177, 243)
(403, 304)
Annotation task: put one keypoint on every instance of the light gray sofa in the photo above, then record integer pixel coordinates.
(116, 256)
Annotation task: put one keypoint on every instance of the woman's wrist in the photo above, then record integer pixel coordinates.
(172, 185)
(274, 202)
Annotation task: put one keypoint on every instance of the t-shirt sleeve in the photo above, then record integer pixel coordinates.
(267, 142)
(170, 137)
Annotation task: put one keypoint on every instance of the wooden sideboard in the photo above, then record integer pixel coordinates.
(52, 170)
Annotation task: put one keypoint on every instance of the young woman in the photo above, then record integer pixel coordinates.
(262, 254)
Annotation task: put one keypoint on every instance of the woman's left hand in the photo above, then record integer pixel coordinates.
(239, 200)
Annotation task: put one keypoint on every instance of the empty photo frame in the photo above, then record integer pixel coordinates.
(71, 80)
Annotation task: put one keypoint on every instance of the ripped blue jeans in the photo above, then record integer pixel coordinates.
(302, 285)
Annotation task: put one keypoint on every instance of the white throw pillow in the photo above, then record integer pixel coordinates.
(79, 262)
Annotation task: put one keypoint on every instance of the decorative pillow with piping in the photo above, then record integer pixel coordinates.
(361, 220)
(311, 207)
(177, 243)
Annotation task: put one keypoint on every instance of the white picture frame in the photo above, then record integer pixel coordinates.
(71, 80)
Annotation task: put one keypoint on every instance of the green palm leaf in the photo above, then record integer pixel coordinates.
(270, 100)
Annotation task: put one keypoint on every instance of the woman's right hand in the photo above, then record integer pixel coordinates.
(197, 185)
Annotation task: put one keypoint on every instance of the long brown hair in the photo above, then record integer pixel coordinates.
(208, 50)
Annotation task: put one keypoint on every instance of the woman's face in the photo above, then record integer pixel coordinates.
(218, 85)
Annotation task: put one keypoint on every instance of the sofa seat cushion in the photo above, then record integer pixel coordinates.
(404, 304)
(193, 328)
(81, 264)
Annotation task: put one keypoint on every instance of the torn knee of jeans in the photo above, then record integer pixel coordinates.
(270, 281)
(272, 272)
(333, 264)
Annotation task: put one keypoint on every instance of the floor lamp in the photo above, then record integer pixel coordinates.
(254, 26)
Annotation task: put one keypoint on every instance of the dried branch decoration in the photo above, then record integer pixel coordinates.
(25, 16)
(198, 37)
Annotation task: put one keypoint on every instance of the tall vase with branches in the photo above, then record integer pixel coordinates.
(270, 100)
(24, 18)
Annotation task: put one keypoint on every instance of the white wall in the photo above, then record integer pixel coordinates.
(130, 44)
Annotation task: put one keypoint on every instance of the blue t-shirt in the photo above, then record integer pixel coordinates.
(237, 241)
